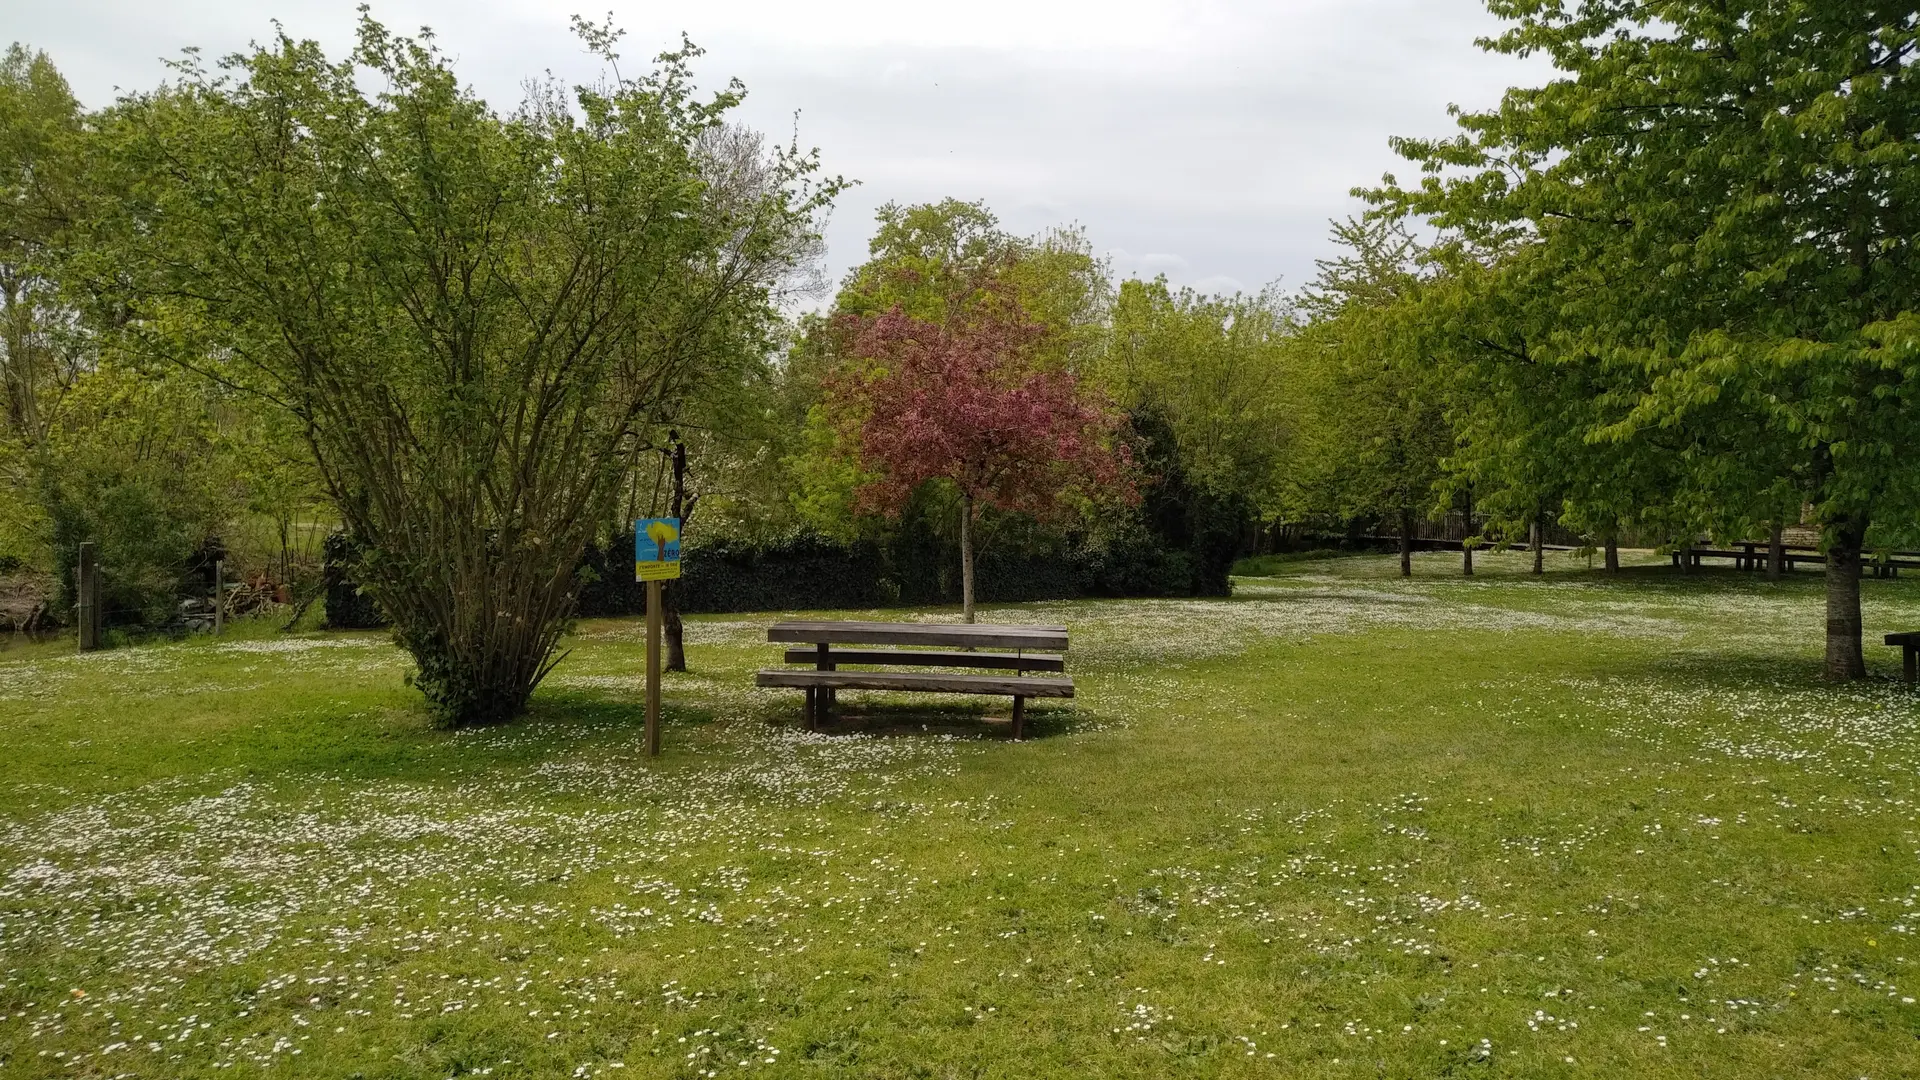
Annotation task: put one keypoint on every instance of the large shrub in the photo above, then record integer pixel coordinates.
(471, 317)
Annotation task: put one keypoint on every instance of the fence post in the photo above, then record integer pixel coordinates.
(88, 595)
(219, 596)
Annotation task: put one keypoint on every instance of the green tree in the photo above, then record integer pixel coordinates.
(137, 466)
(1741, 188)
(42, 350)
(1211, 369)
(1371, 406)
(471, 317)
(940, 263)
(272, 467)
(935, 260)
(41, 139)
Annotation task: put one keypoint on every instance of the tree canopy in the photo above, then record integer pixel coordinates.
(1708, 224)
(1667, 293)
(470, 316)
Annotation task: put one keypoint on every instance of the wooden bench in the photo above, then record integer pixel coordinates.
(1018, 663)
(920, 645)
(1910, 646)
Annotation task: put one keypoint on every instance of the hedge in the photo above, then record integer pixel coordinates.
(347, 607)
(808, 572)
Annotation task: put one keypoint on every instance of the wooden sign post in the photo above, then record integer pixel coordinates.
(654, 620)
(656, 560)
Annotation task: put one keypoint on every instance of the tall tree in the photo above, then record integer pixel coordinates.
(1741, 184)
(41, 153)
(1372, 405)
(1210, 368)
(472, 317)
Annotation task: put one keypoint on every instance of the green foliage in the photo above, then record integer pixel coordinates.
(826, 479)
(136, 466)
(1701, 245)
(1372, 399)
(1212, 370)
(934, 260)
(939, 261)
(41, 131)
(471, 318)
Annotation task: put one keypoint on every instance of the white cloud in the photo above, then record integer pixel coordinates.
(1218, 135)
(1149, 266)
(1220, 283)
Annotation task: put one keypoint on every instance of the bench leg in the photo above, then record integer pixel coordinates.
(823, 661)
(1913, 665)
(1020, 718)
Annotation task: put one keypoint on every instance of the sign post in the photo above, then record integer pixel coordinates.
(656, 559)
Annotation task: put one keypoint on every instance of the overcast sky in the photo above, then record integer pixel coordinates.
(1209, 140)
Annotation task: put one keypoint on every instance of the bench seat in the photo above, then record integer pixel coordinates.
(927, 681)
(819, 683)
(933, 658)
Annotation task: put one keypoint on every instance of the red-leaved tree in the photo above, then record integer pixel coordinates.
(965, 401)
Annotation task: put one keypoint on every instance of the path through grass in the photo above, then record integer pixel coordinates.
(1338, 826)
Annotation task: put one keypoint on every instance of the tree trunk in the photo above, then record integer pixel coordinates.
(1686, 556)
(1845, 659)
(1613, 550)
(675, 635)
(1466, 544)
(1406, 541)
(1776, 553)
(1539, 543)
(966, 556)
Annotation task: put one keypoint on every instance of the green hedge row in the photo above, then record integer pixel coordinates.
(812, 573)
(807, 572)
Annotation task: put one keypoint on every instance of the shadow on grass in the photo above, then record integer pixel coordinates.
(1736, 663)
(907, 719)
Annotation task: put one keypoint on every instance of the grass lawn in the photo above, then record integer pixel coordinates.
(1337, 826)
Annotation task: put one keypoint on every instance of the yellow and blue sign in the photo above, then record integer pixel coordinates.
(656, 549)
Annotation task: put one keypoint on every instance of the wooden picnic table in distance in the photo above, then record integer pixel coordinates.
(920, 645)
(1909, 644)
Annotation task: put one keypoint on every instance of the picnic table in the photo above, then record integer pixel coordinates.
(1755, 554)
(1909, 644)
(1015, 649)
